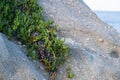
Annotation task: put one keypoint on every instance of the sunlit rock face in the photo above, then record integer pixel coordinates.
(14, 64)
(94, 47)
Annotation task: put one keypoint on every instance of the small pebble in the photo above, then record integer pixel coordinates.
(41, 67)
(64, 2)
(19, 43)
(86, 44)
(79, 12)
(20, 46)
(115, 47)
(34, 61)
(93, 49)
(88, 39)
(51, 16)
(34, 79)
(90, 14)
(101, 40)
(24, 59)
(61, 72)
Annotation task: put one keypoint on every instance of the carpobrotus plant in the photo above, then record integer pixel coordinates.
(23, 20)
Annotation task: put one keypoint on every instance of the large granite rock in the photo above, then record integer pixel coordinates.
(14, 65)
(94, 46)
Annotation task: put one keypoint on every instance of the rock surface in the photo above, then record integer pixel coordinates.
(94, 46)
(14, 65)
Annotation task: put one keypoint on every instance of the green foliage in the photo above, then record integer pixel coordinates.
(23, 19)
(70, 73)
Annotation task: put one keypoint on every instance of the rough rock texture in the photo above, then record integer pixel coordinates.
(14, 65)
(94, 46)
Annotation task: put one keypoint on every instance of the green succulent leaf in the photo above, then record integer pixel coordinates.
(71, 75)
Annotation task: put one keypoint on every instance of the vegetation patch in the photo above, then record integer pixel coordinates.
(69, 72)
(23, 20)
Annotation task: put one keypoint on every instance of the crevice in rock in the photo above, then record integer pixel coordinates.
(114, 54)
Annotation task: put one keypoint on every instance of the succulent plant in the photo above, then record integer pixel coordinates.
(23, 19)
